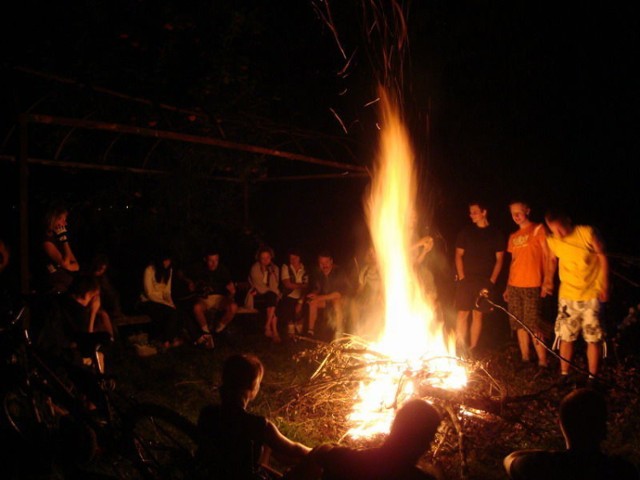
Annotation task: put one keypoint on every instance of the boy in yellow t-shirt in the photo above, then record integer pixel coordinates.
(579, 254)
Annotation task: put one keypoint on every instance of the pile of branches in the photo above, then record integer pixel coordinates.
(326, 396)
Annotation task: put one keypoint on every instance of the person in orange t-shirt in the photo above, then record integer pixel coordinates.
(524, 292)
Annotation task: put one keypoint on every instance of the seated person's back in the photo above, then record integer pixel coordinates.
(583, 421)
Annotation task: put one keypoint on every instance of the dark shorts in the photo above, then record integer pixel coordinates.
(526, 305)
(467, 293)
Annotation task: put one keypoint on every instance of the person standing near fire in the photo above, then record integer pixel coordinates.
(577, 252)
(479, 256)
(527, 270)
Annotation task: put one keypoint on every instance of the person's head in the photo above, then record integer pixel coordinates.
(412, 431)
(162, 263)
(478, 212)
(99, 265)
(325, 262)
(519, 212)
(212, 258)
(241, 377)
(84, 288)
(55, 217)
(583, 419)
(264, 255)
(559, 223)
(295, 257)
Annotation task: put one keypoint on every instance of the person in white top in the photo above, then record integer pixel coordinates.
(264, 279)
(295, 282)
(156, 301)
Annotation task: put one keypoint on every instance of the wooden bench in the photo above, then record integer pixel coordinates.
(131, 320)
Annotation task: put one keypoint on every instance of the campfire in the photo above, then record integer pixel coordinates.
(363, 379)
(413, 341)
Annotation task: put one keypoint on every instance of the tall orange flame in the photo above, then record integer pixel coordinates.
(412, 338)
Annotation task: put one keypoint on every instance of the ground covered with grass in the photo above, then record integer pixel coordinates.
(521, 399)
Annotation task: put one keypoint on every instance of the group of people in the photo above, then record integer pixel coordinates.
(537, 251)
(205, 301)
(238, 444)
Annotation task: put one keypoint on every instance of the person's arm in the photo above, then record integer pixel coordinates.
(459, 263)
(256, 279)
(497, 267)
(551, 267)
(94, 306)
(547, 281)
(282, 446)
(65, 258)
(598, 247)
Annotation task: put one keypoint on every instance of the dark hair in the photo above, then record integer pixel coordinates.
(557, 215)
(239, 375)
(83, 284)
(162, 274)
(98, 261)
(211, 250)
(53, 212)
(583, 415)
(294, 251)
(481, 203)
(264, 248)
(413, 429)
(325, 253)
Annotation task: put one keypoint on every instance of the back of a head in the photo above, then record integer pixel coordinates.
(83, 284)
(583, 418)
(239, 376)
(413, 429)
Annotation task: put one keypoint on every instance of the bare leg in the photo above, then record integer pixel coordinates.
(594, 352)
(271, 326)
(541, 351)
(523, 342)
(199, 313)
(476, 328)
(566, 351)
(229, 312)
(462, 326)
(313, 314)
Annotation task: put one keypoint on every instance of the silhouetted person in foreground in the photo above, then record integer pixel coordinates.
(583, 421)
(236, 444)
(412, 432)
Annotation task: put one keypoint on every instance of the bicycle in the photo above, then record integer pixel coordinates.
(60, 423)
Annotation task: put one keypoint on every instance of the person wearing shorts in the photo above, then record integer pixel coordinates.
(529, 253)
(479, 257)
(578, 253)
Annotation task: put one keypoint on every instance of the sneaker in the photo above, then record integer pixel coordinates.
(310, 333)
(298, 327)
(206, 341)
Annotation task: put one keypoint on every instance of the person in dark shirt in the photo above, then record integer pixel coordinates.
(214, 291)
(479, 257)
(583, 422)
(328, 289)
(234, 443)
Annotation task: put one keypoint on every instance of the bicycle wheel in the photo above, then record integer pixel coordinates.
(162, 441)
(31, 416)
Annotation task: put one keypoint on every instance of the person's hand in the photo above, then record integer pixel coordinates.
(546, 289)
(61, 233)
(505, 296)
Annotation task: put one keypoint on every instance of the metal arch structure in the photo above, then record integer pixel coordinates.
(344, 170)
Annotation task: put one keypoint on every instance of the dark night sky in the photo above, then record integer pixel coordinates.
(526, 99)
